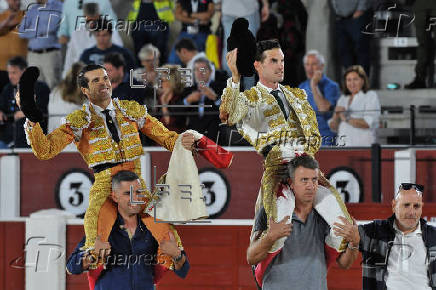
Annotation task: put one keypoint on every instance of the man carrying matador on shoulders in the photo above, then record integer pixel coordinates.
(106, 133)
(280, 123)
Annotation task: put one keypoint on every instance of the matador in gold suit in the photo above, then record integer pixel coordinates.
(279, 123)
(89, 131)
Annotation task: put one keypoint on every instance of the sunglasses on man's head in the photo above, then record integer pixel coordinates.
(407, 186)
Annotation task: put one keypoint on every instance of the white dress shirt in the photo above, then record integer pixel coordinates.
(99, 110)
(407, 264)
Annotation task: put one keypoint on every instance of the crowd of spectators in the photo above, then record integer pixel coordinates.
(181, 78)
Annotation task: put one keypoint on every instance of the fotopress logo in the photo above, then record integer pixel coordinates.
(39, 254)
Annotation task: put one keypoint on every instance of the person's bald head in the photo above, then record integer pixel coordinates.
(407, 206)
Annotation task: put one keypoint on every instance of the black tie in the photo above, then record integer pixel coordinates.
(275, 93)
(111, 126)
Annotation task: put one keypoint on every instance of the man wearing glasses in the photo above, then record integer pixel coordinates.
(399, 252)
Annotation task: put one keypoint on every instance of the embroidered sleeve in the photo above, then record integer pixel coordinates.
(46, 147)
(159, 133)
(236, 104)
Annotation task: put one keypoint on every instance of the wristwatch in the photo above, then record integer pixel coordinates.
(178, 258)
(351, 247)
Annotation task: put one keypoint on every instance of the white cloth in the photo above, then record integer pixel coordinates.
(184, 200)
(325, 204)
(407, 264)
(364, 106)
(81, 40)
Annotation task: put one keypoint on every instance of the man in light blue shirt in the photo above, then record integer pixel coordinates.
(73, 17)
(322, 94)
(40, 27)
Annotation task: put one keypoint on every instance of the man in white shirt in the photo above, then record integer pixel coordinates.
(398, 253)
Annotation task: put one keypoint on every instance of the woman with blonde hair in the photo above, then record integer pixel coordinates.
(357, 111)
(65, 98)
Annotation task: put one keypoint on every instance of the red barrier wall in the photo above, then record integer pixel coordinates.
(38, 178)
(12, 236)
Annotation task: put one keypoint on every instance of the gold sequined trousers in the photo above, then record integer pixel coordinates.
(102, 213)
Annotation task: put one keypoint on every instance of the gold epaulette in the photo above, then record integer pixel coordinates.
(132, 109)
(79, 119)
(299, 93)
(252, 95)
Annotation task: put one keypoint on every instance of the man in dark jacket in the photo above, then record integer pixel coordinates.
(399, 252)
(11, 117)
(205, 93)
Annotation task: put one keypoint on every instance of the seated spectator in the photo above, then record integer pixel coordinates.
(195, 17)
(40, 27)
(149, 56)
(322, 94)
(104, 45)
(10, 42)
(11, 131)
(187, 52)
(82, 38)
(121, 88)
(72, 16)
(170, 93)
(65, 98)
(205, 93)
(357, 111)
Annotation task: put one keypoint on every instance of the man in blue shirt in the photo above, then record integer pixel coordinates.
(322, 94)
(130, 255)
(103, 36)
(40, 27)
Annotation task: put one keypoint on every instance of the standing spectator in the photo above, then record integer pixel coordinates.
(357, 111)
(248, 9)
(352, 45)
(424, 11)
(12, 132)
(322, 94)
(82, 38)
(301, 262)
(72, 16)
(10, 43)
(104, 45)
(115, 67)
(195, 16)
(292, 38)
(65, 98)
(206, 91)
(40, 27)
(132, 235)
(320, 32)
(397, 252)
(152, 21)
